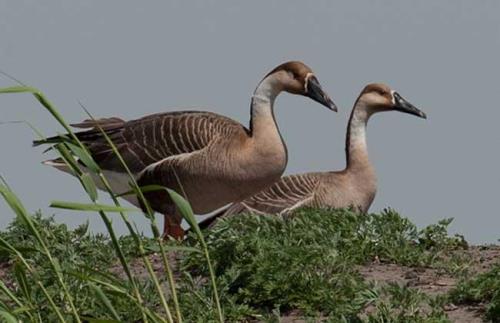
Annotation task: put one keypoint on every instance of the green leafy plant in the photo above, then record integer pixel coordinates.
(79, 255)
(308, 262)
(484, 288)
(400, 304)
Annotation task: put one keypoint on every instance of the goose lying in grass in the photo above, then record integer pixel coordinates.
(355, 186)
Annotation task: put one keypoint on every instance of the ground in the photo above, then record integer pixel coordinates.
(322, 265)
(433, 282)
(429, 281)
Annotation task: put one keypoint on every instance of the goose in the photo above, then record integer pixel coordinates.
(209, 158)
(355, 186)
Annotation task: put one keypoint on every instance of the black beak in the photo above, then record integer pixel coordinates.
(315, 92)
(402, 105)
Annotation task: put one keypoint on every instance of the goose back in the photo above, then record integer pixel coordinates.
(148, 140)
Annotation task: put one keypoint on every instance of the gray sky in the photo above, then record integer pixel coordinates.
(130, 58)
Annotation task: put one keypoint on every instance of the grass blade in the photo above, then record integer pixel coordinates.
(105, 300)
(7, 317)
(9, 294)
(150, 215)
(23, 215)
(185, 209)
(187, 213)
(144, 189)
(92, 207)
(18, 89)
(22, 281)
(89, 186)
(94, 320)
(84, 157)
(4, 288)
(174, 248)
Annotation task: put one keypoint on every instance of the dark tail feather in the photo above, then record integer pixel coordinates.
(51, 140)
(109, 125)
(230, 210)
(103, 122)
(210, 221)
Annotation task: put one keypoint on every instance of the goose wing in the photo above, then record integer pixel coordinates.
(285, 195)
(148, 140)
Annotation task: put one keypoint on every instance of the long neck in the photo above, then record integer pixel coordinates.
(356, 148)
(262, 114)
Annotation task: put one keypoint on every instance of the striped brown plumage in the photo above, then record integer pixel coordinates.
(284, 194)
(153, 138)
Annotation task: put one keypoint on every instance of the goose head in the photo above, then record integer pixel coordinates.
(297, 78)
(377, 97)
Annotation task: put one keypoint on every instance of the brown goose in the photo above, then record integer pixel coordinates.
(355, 186)
(214, 160)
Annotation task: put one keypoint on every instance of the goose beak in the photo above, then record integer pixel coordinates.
(315, 92)
(402, 105)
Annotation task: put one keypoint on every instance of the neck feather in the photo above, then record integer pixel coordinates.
(356, 148)
(263, 103)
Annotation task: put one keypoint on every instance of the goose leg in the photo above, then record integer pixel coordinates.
(172, 227)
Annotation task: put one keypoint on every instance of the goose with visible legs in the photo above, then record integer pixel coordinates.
(210, 158)
(355, 186)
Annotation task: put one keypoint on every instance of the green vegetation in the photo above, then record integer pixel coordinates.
(310, 261)
(265, 267)
(79, 256)
(335, 234)
(484, 288)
